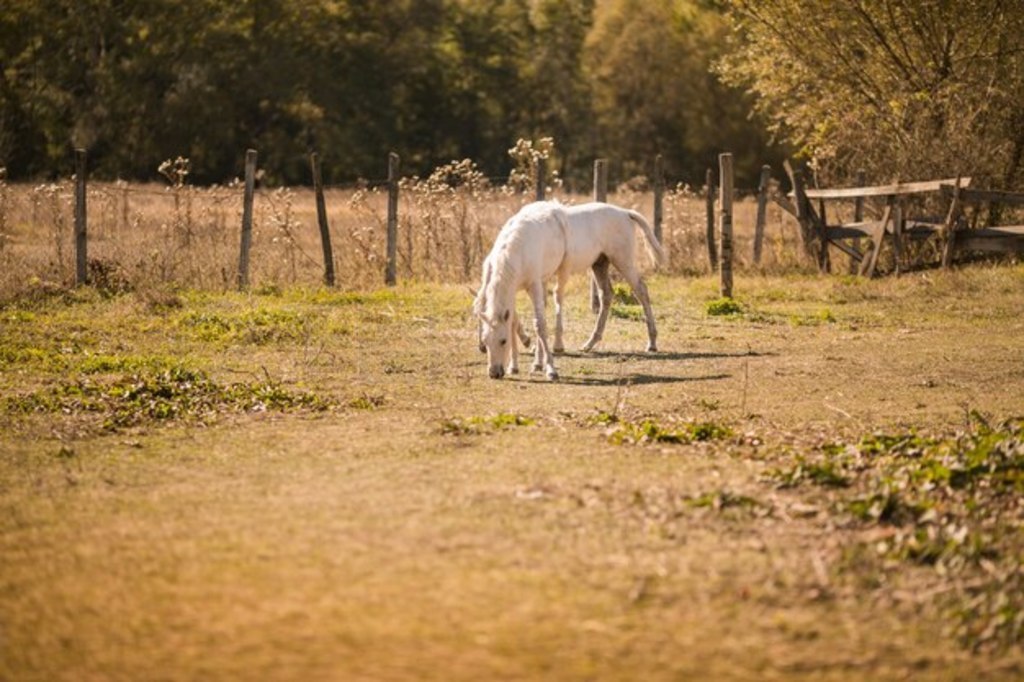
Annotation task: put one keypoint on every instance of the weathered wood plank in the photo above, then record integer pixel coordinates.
(951, 222)
(967, 240)
(853, 230)
(804, 211)
(990, 195)
(868, 265)
(853, 253)
(883, 190)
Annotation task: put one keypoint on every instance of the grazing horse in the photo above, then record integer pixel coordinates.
(547, 239)
(529, 249)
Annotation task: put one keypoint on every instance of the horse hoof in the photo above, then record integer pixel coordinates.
(559, 349)
(552, 376)
(538, 367)
(587, 348)
(513, 370)
(652, 348)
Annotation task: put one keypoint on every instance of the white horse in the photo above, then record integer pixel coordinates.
(547, 239)
(529, 249)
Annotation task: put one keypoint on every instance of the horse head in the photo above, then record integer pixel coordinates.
(494, 340)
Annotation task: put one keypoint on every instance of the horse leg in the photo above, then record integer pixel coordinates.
(559, 346)
(521, 333)
(636, 282)
(513, 363)
(604, 297)
(544, 357)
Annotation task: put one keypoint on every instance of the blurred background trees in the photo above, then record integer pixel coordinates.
(891, 86)
(139, 82)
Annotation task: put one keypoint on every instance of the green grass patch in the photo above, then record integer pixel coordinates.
(621, 311)
(458, 426)
(621, 293)
(622, 432)
(259, 326)
(723, 307)
(175, 394)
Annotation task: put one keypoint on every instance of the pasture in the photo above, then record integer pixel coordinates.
(823, 482)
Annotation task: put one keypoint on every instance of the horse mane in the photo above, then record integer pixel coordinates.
(504, 272)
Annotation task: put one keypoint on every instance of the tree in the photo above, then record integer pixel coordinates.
(912, 88)
(655, 92)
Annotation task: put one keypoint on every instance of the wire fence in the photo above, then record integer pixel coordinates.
(178, 235)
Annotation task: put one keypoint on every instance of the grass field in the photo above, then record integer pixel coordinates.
(312, 484)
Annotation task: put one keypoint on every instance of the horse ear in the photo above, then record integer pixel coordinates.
(507, 314)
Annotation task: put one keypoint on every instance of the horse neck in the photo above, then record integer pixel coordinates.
(501, 289)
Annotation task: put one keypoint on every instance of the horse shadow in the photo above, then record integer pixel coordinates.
(658, 355)
(635, 379)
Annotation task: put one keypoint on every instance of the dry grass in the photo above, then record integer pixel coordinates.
(150, 236)
(433, 524)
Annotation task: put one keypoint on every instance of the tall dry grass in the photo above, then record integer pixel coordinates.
(182, 236)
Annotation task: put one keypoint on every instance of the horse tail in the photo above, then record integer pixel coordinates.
(653, 246)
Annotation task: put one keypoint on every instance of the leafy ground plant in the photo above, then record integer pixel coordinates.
(175, 394)
(950, 502)
(621, 431)
(458, 426)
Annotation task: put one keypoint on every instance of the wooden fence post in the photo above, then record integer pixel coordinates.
(601, 180)
(541, 179)
(710, 203)
(81, 239)
(725, 205)
(804, 217)
(858, 216)
(948, 232)
(659, 196)
(392, 245)
(762, 211)
(321, 218)
(247, 201)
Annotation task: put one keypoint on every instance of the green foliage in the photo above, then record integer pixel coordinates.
(198, 82)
